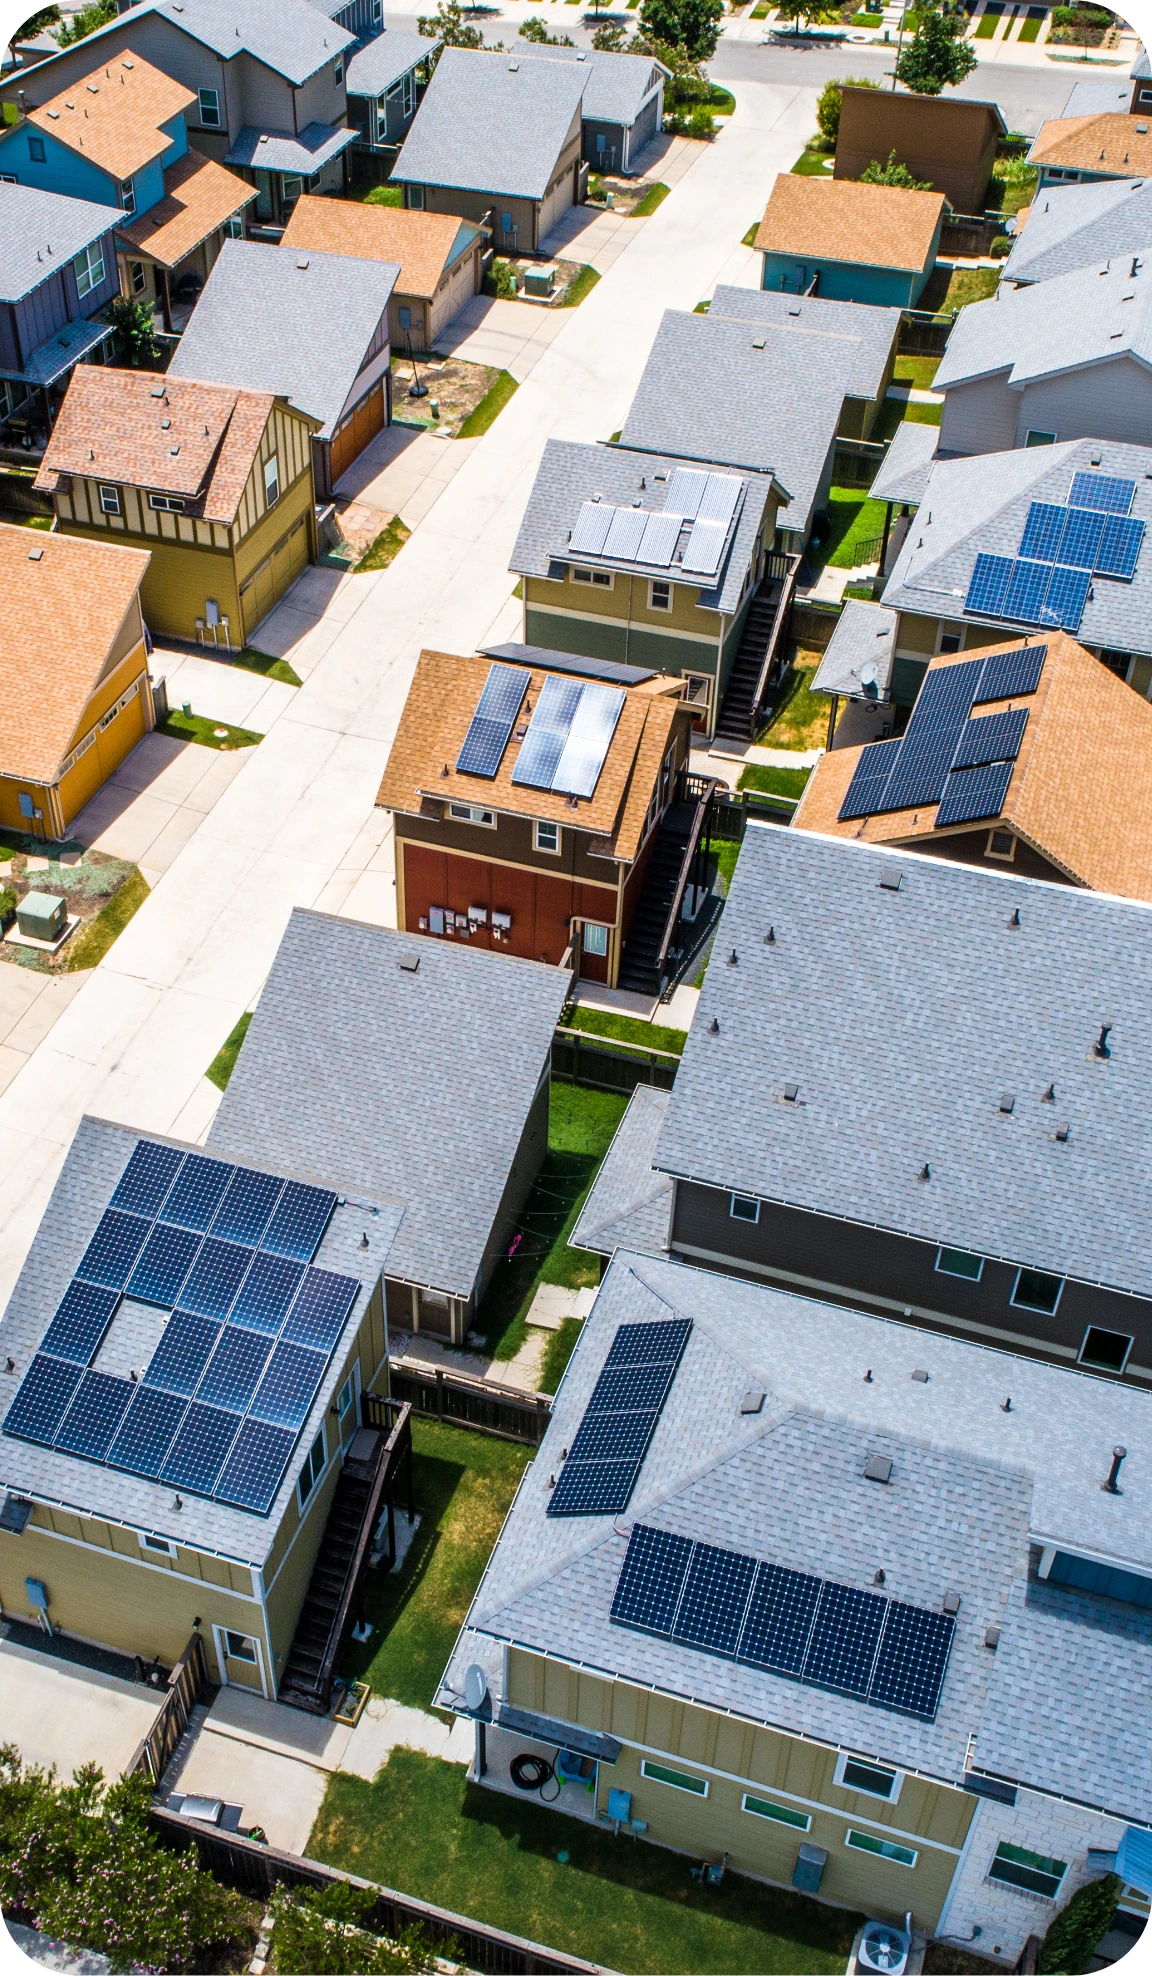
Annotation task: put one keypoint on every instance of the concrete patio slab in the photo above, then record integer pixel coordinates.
(60, 1714)
(386, 1726)
(247, 1718)
(223, 692)
(282, 1793)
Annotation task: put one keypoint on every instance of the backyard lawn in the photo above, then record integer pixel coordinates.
(853, 518)
(790, 782)
(801, 717)
(625, 1029)
(916, 372)
(953, 288)
(894, 412)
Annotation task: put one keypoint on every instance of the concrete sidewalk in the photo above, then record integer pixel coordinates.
(60, 1714)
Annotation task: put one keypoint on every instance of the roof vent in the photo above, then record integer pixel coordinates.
(1007, 1101)
(1094, 459)
(925, 1174)
(1141, 131)
(1063, 1134)
(34, 555)
(757, 342)
(302, 262)
(878, 1468)
(920, 1376)
(951, 1602)
(173, 451)
(410, 965)
(512, 67)
(1049, 1097)
(165, 425)
(1100, 1046)
(1015, 919)
(891, 881)
(1112, 1485)
(793, 312)
(583, 55)
(733, 958)
(770, 937)
(992, 1637)
(93, 88)
(791, 1093)
(714, 1026)
(157, 391)
(752, 1402)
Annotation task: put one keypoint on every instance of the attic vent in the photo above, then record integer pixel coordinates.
(411, 965)
(1007, 1101)
(891, 881)
(1141, 131)
(878, 1468)
(93, 89)
(1094, 459)
(55, 115)
(952, 1602)
(126, 64)
(793, 312)
(921, 1378)
(173, 451)
(1063, 1134)
(157, 391)
(582, 56)
(302, 262)
(791, 1093)
(752, 1402)
(34, 555)
(165, 425)
(757, 342)
(513, 67)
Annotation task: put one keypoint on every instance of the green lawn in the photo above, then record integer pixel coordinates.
(386, 547)
(488, 410)
(950, 288)
(557, 1352)
(464, 1485)
(625, 1029)
(250, 661)
(90, 943)
(209, 733)
(655, 196)
(989, 21)
(224, 1062)
(749, 239)
(813, 164)
(801, 718)
(583, 285)
(774, 781)
(422, 1828)
(384, 195)
(1031, 27)
(854, 518)
(916, 372)
(721, 102)
(894, 412)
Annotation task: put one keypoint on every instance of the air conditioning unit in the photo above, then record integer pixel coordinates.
(540, 282)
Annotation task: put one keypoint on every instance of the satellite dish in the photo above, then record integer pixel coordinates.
(475, 1687)
(868, 674)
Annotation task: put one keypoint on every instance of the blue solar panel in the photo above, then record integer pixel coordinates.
(631, 1389)
(182, 1354)
(993, 738)
(321, 1310)
(973, 793)
(1027, 589)
(244, 1212)
(302, 1214)
(612, 1436)
(146, 1432)
(214, 1278)
(266, 1293)
(1120, 546)
(931, 735)
(1066, 598)
(98, 1406)
(199, 1447)
(715, 1599)
(233, 1371)
(491, 724)
(289, 1386)
(1042, 531)
(165, 1262)
(147, 1178)
(649, 1344)
(842, 1649)
(1099, 490)
(869, 777)
(80, 1323)
(548, 732)
(1010, 675)
(912, 1660)
(989, 585)
(778, 1623)
(41, 1398)
(114, 1247)
(593, 1488)
(651, 1580)
(196, 1195)
(1080, 539)
(254, 1469)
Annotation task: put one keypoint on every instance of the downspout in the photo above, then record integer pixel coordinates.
(888, 506)
(832, 711)
(628, 622)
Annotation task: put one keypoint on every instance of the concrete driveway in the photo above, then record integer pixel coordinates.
(156, 801)
(63, 1715)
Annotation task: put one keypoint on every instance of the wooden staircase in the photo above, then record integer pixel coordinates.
(644, 962)
(737, 720)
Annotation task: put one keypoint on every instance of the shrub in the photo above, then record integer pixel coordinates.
(610, 38)
(893, 173)
(86, 22)
(701, 123)
(1071, 1940)
(829, 101)
(501, 281)
(448, 25)
(7, 905)
(323, 1931)
(536, 29)
(1015, 171)
(134, 324)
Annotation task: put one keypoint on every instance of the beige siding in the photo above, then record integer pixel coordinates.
(980, 417)
(1099, 401)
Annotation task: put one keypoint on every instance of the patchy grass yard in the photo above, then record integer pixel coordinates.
(491, 405)
(583, 285)
(814, 163)
(455, 387)
(953, 288)
(895, 411)
(386, 547)
(801, 717)
(655, 196)
(224, 1062)
(916, 372)
(557, 1352)
(90, 943)
(749, 238)
(208, 733)
(102, 892)
(789, 782)
(383, 195)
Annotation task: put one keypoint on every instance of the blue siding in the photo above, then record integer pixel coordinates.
(62, 170)
(149, 184)
(174, 128)
(1104, 1580)
(846, 281)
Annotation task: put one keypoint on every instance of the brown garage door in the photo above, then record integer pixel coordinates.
(271, 579)
(351, 436)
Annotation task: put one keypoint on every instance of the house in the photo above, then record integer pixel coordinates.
(57, 273)
(544, 855)
(118, 136)
(311, 328)
(822, 1626)
(948, 142)
(74, 692)
(876, 333)
(263, 69)
(1081, 226)
(1066, 358)
(405, 1029)
(385, 81)
(748, 394)
(1141, 73)
(497, 140)
(1043, 538)
(440, 259)
(1131, 94)
(849, 242)
(688, 608)
(1081, 150)
(623, 103)
(1061, 725)
(214, 482)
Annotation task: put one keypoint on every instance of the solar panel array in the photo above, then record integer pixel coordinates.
(1062, 547)
(569, 736)
(605, 1458)
(944, 756)
(787, 1622)
(705, 503)
(219, 1408)
(492, 722)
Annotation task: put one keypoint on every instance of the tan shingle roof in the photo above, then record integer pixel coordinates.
(420, 242)
(842, 220)
(441, 702)
(113, 115)
(62, 614)
(199, 195)
(1081, 791)
(1111, 142)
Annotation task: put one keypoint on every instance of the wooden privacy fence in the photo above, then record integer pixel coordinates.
(813, 624)
(923, 335)
(185, 1685)
(601, 1064)
(457, 1396)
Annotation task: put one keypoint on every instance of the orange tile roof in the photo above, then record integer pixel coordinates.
(1111, 142)
(441, 702)
(420, 242)
(199, 195)
(113, 115)
(63, 609)
(1081, 790)
(841, 220)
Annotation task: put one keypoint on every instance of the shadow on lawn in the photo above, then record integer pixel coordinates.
(560, 1186)
(386, 1595)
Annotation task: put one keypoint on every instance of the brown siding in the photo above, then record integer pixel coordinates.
(511, 843)
(945, 141)
(540, 904)
(971, 847)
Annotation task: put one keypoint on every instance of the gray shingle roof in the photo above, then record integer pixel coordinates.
(903, 473)
(492, 123)
(875, 330)
(263, 323)
(629, 1204)
(289, 36)
(707, 393)
(1051, 327)
(980, 506)
(950, 1007)
(95, 1160)
(1082, 226)
(1096, 99)
(970, 1487)
(408, 1086)
(571, 473)
(32, 223)
(618, 85)
(288, 151)
(383, 60)
(865, 635)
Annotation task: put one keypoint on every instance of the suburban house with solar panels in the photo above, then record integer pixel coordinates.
(798, 1590)
(1086, 226)
(542, 808)
(641, 560)
(874, 332)
(51, 306)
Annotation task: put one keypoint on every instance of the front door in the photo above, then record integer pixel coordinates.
(241, 1660)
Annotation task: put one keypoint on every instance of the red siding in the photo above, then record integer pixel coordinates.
(540, 904)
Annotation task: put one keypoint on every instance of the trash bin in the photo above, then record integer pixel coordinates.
(809, 1869)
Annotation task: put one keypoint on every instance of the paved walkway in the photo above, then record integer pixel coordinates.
(59, 1713)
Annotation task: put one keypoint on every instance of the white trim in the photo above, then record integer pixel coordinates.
(798, 1822)
(222, 1658)
(140, 1563)
(484, 819)
(873, 1852)
(597, 579)
(1094, 1363)
(688, 1787)
(549, 850)
(747, 1200)
(886, 1797)
(660, 583)
(150, 1542)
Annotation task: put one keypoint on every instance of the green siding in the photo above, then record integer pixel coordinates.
(907, 679)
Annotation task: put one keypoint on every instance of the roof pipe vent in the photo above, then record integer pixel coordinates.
(1100, 1046)
(1112, 1486)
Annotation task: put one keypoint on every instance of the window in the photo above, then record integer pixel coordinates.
(405, 318)
(137, 277)
(1033, 1871)
(883, 1848)
(234, 227)
(742, 1207)
(957, 1262)
(272, 481)
(856, 1775)
(1040, 439)
(128, 194)
(698, 692)
(312, 1470)
(210, 109)
(595, 939)
(338, 70)
(601, 577)
(166, 504)
(468, 813)
(160, 1544)
(783, 1815)
(1001, 844)
(291, 188)
(679, 1779)
(345, 1398)
(416, 198)
(110, 500)
(1107, 1349)
(377, 12)
(89, 268)
(238, 1646)
(546, 836)
(950, 641)
(1033, 1290)
(659, 596)
(8, 178)
(409, 94)
(36, 150)
(1145, 96)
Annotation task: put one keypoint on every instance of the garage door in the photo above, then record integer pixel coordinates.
(555, 205)
(275, 574)
(351, 436)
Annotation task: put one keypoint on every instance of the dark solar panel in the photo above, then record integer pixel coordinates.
(197, 1193)
(163, 1265)
(548, 731)
(233, 1371)
(612, 1436)
(1027, 589)
(631, 1389)
(866, 790)
(593, 1488)
(842, 1649)
(147, 1178)
(1066, 597)
(320, 1312)
(1042, 531)
(289, 1386)
(649, 1344)
(1080, 538)
(1120, 545)
(80, 1323)
(651, 1579)
(214, 1278)
(146, 1431)
(266, 1293)
(491, 724)
(912, 1660)
(779, 1619)
(182, 1354)
(302, 1214)
(98, 1406)
(1100, 490)
(114, 1247)
(992, 738)
(41, 1398)
(199, 1447)
(931, 735)
(246, 1208)
(973, 793)
(988, 585)
(1011, 675)
(715, 1599)
(254, 1469)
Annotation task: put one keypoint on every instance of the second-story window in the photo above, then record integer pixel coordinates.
(272, 481)
(546, 837)
(470, 813)
(128, 194)
(166, 504)
(660, 596)
(409, 94)
(338, 71)
(110, 500)
(89, 268)
(601, 577)
(210, 108)
(137, 277)
(36, 150)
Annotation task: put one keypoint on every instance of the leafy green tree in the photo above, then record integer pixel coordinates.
(894, 174)
(693, 25)
(86, 22)
(688, 83)
(448, 25)
(36, 23)
(829, 102)
(806, 12)
(935, 58)
(323, 1931)
(135, 326)
(1068, 1946)
(610, 38)
(536, 29)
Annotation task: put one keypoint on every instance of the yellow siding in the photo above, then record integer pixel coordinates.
(916, 634)
(627, 599)
(10, 792)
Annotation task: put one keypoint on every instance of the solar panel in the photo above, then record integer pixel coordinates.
(98, 1406)
(649, 1344)
(1066, 597)
(199, 1446)
(651, 1579)
(321, 1310)
(989, 584)
(114, 1247)
(254, 1469)
(1042, 531)
(993, 738)
(247, 1204)
(705, 548)
(625, 533)
(196, 1195)
(973, 793)
(182, 1354)
(842, 1649)
(661, 534)
(163, 1265)
(1120, 546)
(1027, 589)
(1099, 490)
(147, 1178)
(548, 731)
(1079, 539)
(1009, 675)
(289, 1386)
(41, 1398)
(592, 525)
(593, 1488)
(589, 738)
(302, 1214)
(613, 1436)
(631, 1388)
(233, 1371)
(80, 1322)
(869, 777)
(685, 492)
(715, 1598)
(718, 501)
(493, 720)
(266, 1293)
(215, 1277)
(146, 1431)
(779, 1619)
(912, 1660)
(931, 735)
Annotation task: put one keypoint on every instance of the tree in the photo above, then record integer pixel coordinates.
(688, 83)
(86, 22)
(536, 29)
(36, 23)
(829, 101)
(134, 326)
(936, 57)
(323, 1930)
(1071, 1940)
(610, 38)
(894, 174)
(448, 25)
(810, 12)
(692, 25)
